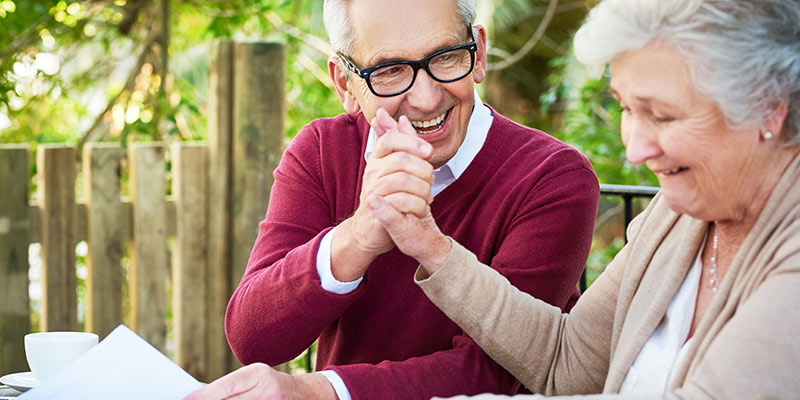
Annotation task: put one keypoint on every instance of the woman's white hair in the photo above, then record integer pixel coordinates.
(337, 22)
(743, 54)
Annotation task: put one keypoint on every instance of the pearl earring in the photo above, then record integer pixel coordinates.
(767, 135)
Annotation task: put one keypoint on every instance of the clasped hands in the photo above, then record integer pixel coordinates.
(412, 229)
(394, 204)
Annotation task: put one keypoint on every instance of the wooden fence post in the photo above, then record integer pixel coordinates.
(101, 173)
(259, 73)
(220, 132)
(189, 269)
(149, 261)
(56, 173)
(15, 236)
(258, 129)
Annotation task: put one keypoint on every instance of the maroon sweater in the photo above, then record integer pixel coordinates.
(526, 205)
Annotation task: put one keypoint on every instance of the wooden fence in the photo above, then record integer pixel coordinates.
(219, 193)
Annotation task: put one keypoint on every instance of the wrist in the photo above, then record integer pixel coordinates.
(349, 259)
(313, 386)
(440, 250)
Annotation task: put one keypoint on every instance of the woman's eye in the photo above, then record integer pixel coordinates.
(664, 120)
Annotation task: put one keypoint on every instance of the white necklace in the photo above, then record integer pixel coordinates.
(714, 281)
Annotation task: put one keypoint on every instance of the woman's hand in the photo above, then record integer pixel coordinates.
(417, 237)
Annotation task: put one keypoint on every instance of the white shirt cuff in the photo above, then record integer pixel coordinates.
(326, 278)
(338, 384)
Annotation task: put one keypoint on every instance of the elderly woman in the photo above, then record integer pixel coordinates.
(702, 302)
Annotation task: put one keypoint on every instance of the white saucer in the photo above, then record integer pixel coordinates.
(21, 381)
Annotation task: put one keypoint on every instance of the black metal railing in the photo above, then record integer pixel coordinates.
(627, 193)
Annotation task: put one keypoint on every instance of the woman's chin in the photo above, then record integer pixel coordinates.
(680, 204)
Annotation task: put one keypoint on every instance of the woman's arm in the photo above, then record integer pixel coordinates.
(547, 351)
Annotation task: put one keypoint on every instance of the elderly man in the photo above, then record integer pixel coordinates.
(416, 134)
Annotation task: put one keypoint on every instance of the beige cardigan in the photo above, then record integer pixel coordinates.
(746, 346)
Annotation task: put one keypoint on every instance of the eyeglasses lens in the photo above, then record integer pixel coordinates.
(447, 66)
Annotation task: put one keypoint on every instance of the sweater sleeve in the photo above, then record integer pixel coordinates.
(548, 351)
(279, 308)
(542, 252)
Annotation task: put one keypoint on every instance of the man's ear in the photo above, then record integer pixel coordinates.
(341, 84)
(479, 73)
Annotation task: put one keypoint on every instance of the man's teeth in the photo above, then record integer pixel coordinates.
(674, 170)
(427, 124)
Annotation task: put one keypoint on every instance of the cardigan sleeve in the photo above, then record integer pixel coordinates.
(549, 352)
(266, 320)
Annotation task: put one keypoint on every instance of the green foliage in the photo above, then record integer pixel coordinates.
(590, 122)
(77, 70)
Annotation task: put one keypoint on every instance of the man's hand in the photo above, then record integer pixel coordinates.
(398, 172)
(261, 382)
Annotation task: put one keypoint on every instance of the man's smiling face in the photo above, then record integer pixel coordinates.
(393, 30)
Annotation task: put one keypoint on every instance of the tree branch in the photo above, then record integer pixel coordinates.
(25, 38)
(548, 16)
(90, 135)
(312, 41)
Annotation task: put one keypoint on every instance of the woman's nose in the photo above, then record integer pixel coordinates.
(640, 140)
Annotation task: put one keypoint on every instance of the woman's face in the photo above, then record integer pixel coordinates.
(706, 169)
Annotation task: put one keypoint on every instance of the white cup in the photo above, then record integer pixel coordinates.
(49, 352)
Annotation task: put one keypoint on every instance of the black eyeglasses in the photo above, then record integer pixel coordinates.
(394, 78)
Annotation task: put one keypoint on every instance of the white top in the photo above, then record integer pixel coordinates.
(652, 370)
(478, 129)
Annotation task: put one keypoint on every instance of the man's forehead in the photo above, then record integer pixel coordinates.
(388, 29)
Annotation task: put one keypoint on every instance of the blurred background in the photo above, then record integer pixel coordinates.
(125, 71)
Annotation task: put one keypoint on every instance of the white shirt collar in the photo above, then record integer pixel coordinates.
(478, 129)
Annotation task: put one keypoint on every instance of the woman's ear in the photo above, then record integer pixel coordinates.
(773, 124)
(342, 86)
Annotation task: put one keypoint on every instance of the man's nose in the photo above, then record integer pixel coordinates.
(640, 139)
(424, 93)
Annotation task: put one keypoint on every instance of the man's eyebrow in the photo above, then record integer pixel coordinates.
(387, 60)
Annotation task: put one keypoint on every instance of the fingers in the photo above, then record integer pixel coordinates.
(383, 122)
(401, 162)
(408, 204)
(234, 384)
(405, 127)
(402, 183)
(395, 141)
(391, 219)
(397, 136)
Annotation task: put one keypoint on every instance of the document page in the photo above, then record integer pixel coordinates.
(122, 366)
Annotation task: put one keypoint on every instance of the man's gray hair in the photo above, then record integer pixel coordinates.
(743, 54)
(337, 22)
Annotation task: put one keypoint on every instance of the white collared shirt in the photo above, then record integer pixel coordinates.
(478, 129)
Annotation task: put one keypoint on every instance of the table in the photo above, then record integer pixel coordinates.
(6, 391)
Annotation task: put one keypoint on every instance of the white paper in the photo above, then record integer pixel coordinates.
(122, 366)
